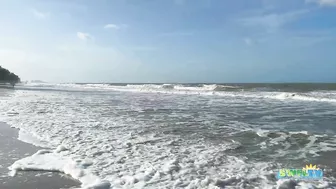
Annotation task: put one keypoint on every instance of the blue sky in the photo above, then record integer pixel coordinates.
(169, 40)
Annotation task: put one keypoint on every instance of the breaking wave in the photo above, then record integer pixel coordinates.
(320, 97)
(239, 91)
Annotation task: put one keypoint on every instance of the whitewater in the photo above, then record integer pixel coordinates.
(174, 135)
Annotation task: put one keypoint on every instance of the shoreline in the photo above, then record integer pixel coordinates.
(12, 150)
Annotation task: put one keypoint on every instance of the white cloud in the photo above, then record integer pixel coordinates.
(111, 26)
(40, 15)
(84, 36)
(115, 26)
(323, 2)
(274, 21)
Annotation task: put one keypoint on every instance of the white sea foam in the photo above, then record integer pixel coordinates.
(262, 132)
(31, 138)
(307, 97)
(299, 132)
(115, 150)
(286, 183)
(203, 88)
(311, 148)
(122, 138)
(45, 160)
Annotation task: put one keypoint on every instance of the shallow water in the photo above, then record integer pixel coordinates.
(181, 136)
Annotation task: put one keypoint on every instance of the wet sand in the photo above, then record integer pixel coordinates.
(11, 149)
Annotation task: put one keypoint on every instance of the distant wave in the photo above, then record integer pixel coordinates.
(319, 97)
(181, 87)
(192, 89)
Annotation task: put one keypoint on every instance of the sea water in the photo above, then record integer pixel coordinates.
(176, 135)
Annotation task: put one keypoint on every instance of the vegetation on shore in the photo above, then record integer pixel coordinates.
(8, 77)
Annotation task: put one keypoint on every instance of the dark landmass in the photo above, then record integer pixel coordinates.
(8, 77)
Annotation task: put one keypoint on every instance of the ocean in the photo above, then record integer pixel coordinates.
(176, 135)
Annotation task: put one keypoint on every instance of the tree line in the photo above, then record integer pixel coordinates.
(8, 77)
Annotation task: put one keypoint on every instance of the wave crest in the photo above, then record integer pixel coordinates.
(192, 89)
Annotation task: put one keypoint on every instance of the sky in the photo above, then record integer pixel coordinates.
(169, 40)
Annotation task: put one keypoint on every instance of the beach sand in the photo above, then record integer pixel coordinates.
(11, 149)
